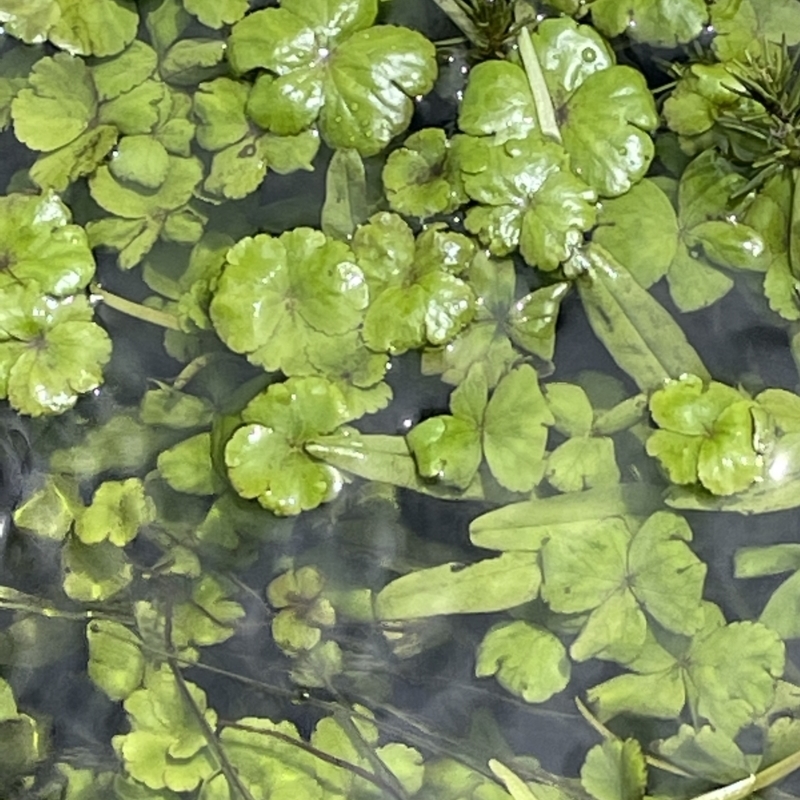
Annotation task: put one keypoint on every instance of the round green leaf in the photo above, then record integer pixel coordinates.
(497, 101)
(59, 105)
(447, 449)
(421, 179)
(607, 130)
(662, 23)
(528, 661)
(140, 159)
(273, 290)
(370, 82)
(569, 53)
(615, 770)
(640, 229)
(39, 243)
(54, 356)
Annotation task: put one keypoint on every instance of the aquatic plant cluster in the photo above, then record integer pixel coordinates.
(221, 561)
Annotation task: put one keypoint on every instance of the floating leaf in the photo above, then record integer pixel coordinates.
(187, 466)
(417, 296)
(167, 746)
(99, 28)
(274, 291)
(640, 334)
(50, 350)
(663, 23)
(728, 692)
(705, 434)
(118, 510)
(527, 197)
(527, 660)
(264, 457)
(422, 179)
(319, 63)
(96, 572)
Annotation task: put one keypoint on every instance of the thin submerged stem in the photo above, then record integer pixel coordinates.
(316, 753)
(152, 315)
(541, 95)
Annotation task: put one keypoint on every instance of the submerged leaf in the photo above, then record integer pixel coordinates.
(494, 584)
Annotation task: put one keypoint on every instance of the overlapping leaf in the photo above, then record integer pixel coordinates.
(417, 294)
(622, 578)
(265, 457)
(331, 66)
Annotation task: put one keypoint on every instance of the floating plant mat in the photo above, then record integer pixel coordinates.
(399, 399)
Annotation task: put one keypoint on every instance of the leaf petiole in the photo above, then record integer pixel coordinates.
(136, 310)
(541, 95)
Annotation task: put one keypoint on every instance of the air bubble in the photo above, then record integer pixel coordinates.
(589, 55)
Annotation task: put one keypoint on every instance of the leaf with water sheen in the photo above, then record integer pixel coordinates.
(607, 132)
(527, 197)
(357, 80)
(50, 350)
(663, 23)
(416, 293)
(265, 457)
(705, 434)
(527, 660)
(274, 290)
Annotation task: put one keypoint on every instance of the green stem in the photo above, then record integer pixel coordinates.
(231, 776)
(777, 772)
(389, 779)
(136, 310)
(541, 96)
(320, 754)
